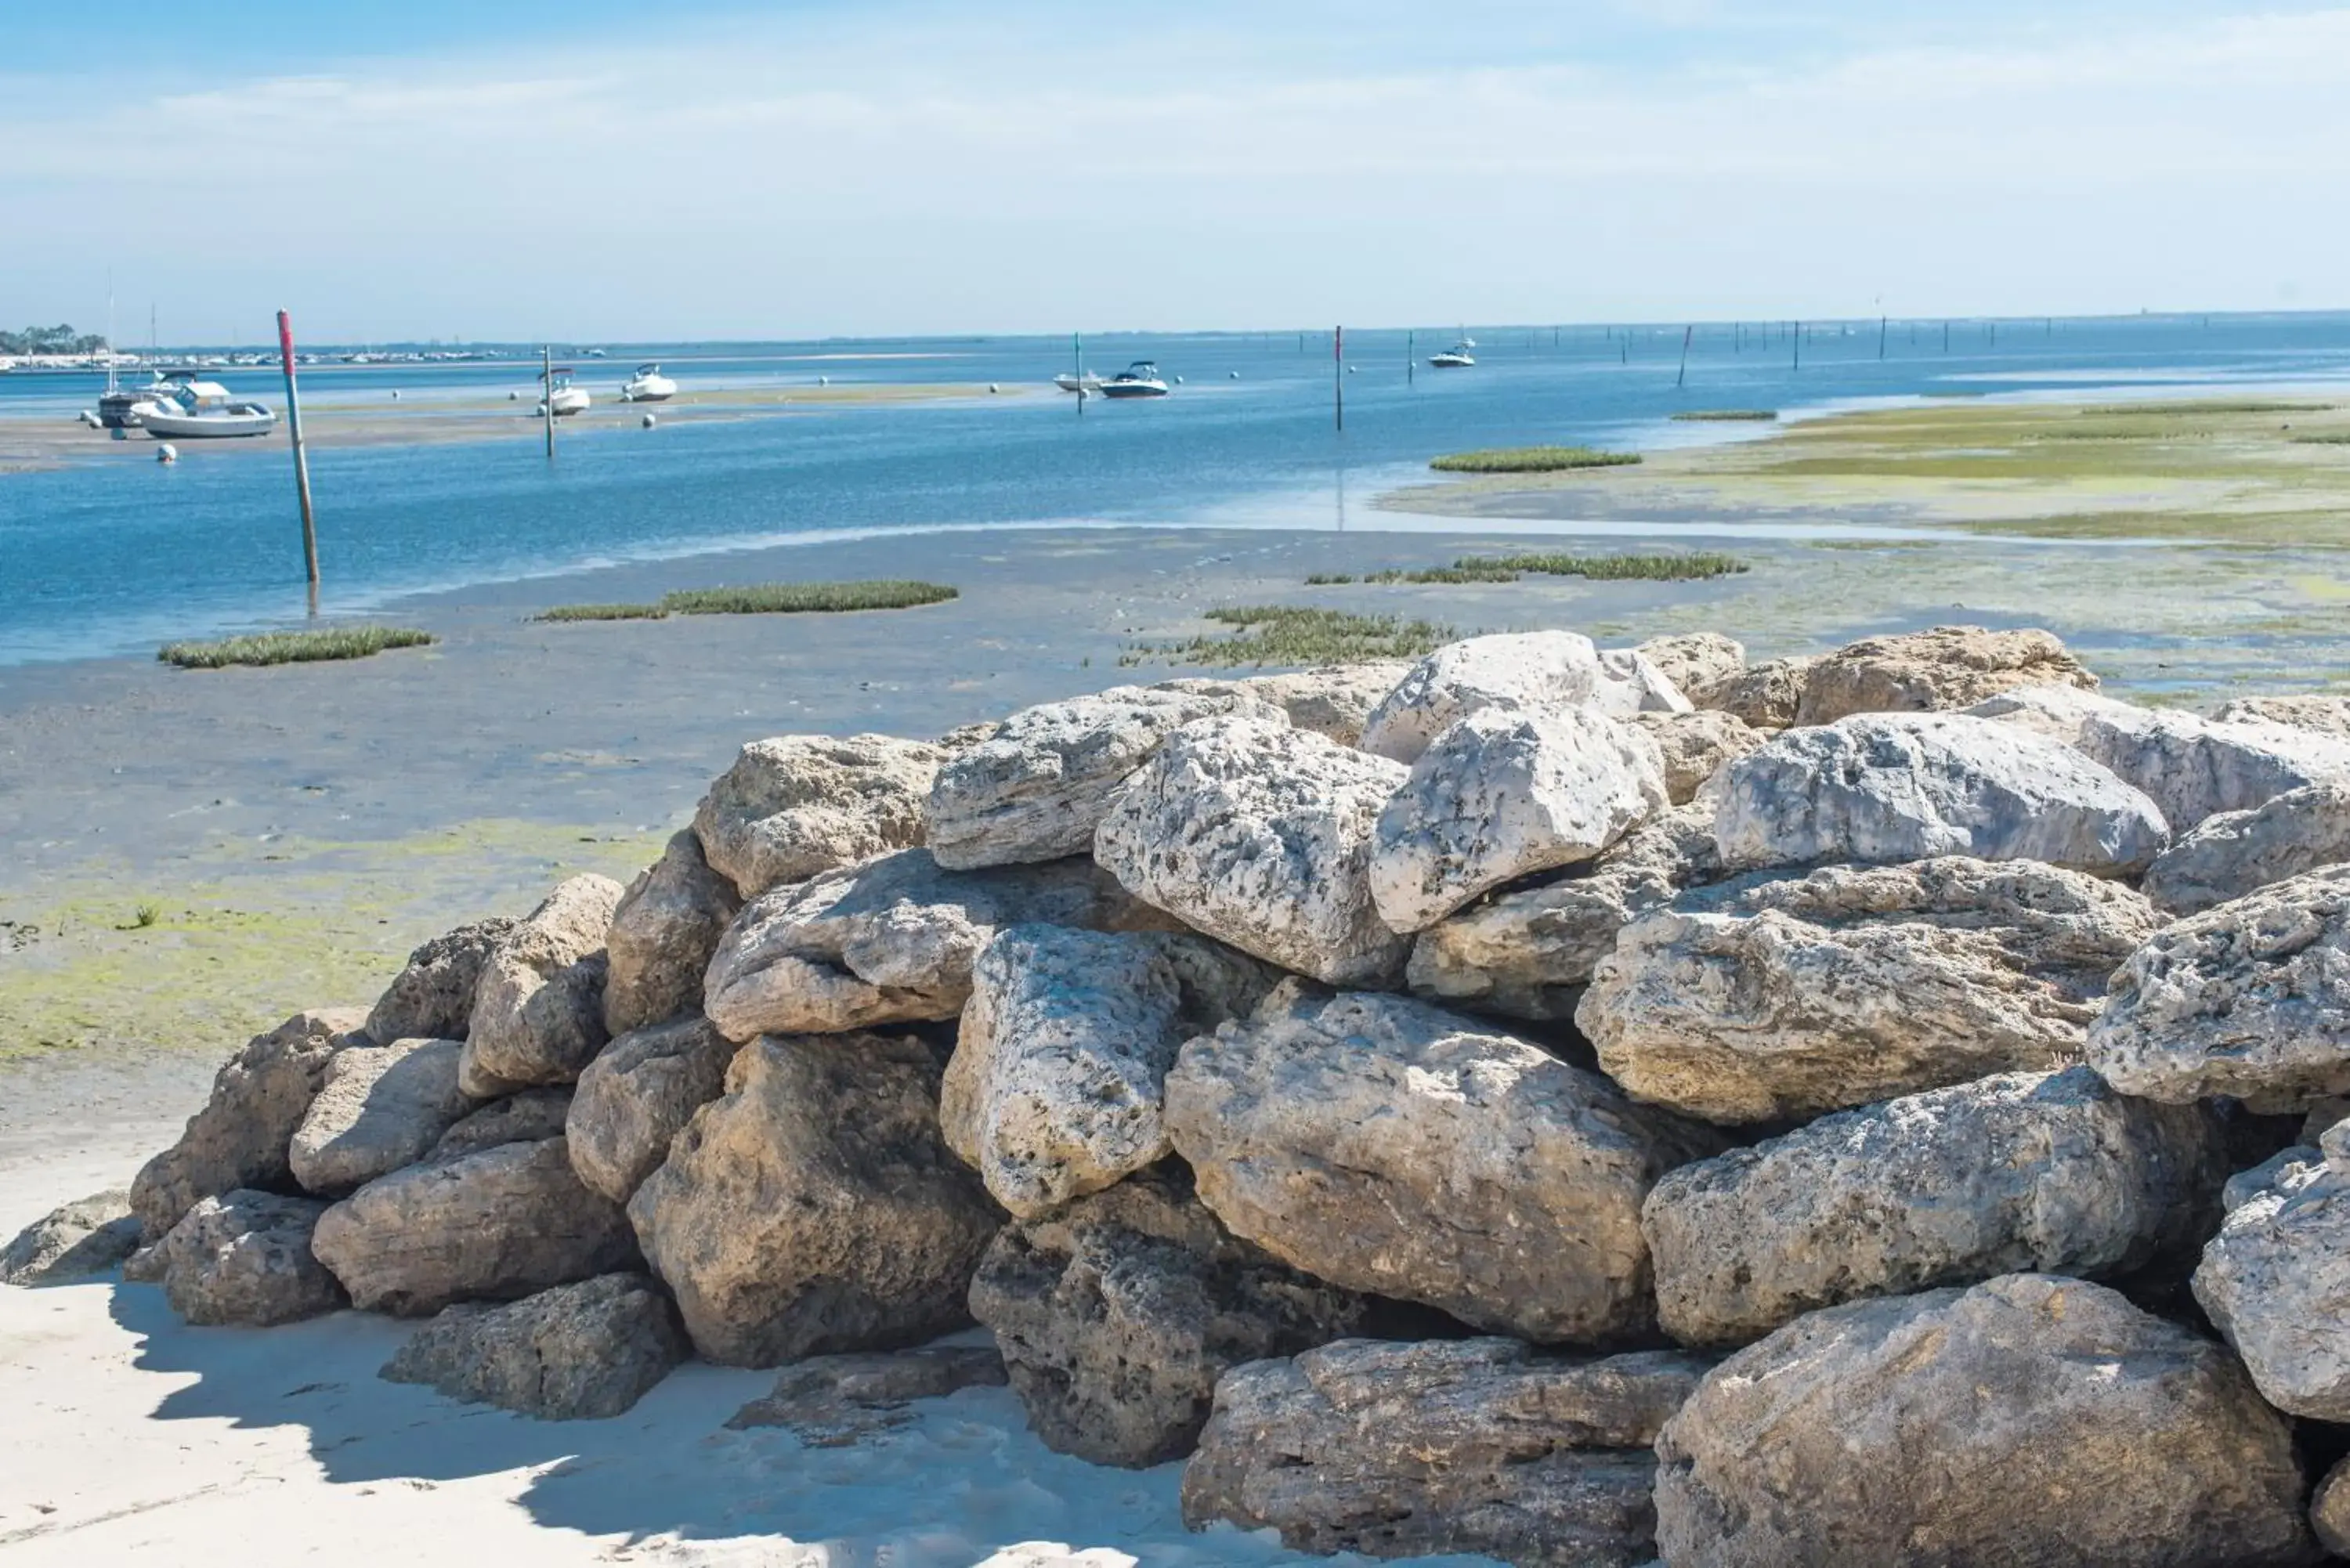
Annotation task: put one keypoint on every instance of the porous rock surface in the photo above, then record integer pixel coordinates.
(1390, 1147)
(2233, 852)
(1503, 794)
(377, 1109)
(834, 1401)
(1694, 746)
(576, 1352)
(1889, 787)
(1528, 952)
(529, 1116)
(634, 1097)
(2249, 998)
(2274, 1278)
(1035, 789)
(1116, 1314)
(2022, 1172)
(1261, 835)
(2329, 1510)
(72, 1241)
(538, 1010)
(1479, 1446)
(1700, 664)
(244, 1257)
(1946, 667)
(890, 940)
(1332, 700)
(433, 997)
(239, 1138)
(795, 806)
(1061, 1062)
(1780, 996)
(1764, 695)
(2190, 767)
(505, 1222)
(2031, 1419)
(1535, 671)
(2324, 713)
(814, 1206)
(663, 931)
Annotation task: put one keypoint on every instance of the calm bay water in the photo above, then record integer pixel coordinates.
(115, 555)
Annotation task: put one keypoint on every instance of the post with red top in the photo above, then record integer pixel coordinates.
(301, 457)
(1338, 372)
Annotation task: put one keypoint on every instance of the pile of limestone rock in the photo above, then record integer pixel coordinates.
(1583, 1106)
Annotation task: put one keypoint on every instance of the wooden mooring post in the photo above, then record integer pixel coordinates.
(301, 454)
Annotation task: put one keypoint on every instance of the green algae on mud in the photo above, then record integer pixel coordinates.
(249, 934)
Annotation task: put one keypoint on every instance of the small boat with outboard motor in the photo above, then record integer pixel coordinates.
(648, 386)
(1139, 380)
(1456, 357)
(181, 408)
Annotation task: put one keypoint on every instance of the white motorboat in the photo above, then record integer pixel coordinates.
(648, 386)
(1139, 380)
(1456, 357)
(1069, 381)
(565, 398)
(181, 408)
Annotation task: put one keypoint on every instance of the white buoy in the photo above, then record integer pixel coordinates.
(167, 453)
(1236, 375)
(514, 397)
(395, 394)
(649, 422)
(824, 380)
(991, 387)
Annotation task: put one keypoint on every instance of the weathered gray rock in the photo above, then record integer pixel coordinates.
(2251, 998)
(2030, 1420)
(244, 1257)
(376, 1110)
(1117, 1314)
(1260, 836)
(1534, 671)
(1036, 790)
(506, 1223)
(2273, 1280)
(1903, 786)
(1767, 695)
(634, 1098)
(1695, 747)
(2329, 1510)
(1470, 1445)
(538, 1010)
(72, 1241)
(239, 1138)
(577, 1351)
(433, 997)
(2051, 1172)
(2325, 714)
(1333, 700)
(1505, 793)
(1390, 1146)
(1701, 665)
(1055, 1085)
(1652, 691)
(663, 931)
(1947, 667)
(889, 941)
(797, 805)
(2246, 1185)
(1528, 952)
(814, 1206)
(838, 1401)
(529, 1116)
(1782, 996)
(2190, 767)
(2234, 853)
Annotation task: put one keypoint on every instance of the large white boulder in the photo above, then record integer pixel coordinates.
(1261, 835)
(795, 806)
(1946, 667)
(2273, 1280)
(2233, 853)
(1520, 671)
(1888, 787)
(1503, 794)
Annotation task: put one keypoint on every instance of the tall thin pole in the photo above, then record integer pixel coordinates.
(1881, 323)
(1687, 333)
(301, 455)
(1798, 336)
(546, 403)
(1338, 373)
(1410, 358)
(1077, 348)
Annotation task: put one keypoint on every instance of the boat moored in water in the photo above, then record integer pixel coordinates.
(179, 408)
(1069, 381)
(648, 386)
(1139, 380)
(1456, 357)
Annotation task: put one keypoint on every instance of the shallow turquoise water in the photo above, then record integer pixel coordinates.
(116, 555)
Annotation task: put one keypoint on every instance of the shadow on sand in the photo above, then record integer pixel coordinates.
(965, 1481)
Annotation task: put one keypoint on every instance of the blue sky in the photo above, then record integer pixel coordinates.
(595, 169)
